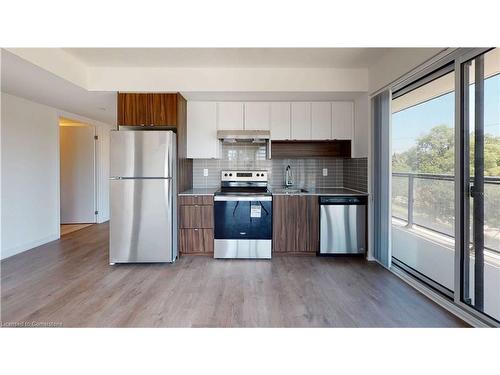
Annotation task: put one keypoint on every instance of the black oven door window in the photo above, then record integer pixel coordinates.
(250, 220)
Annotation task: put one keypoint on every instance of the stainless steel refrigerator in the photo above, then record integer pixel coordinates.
(143, 225)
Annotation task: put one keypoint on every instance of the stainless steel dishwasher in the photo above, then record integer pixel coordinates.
(342, 225)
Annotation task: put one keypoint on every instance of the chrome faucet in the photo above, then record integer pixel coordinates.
(288, 176)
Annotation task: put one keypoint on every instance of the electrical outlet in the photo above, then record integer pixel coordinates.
(325, 172)
(205, 172)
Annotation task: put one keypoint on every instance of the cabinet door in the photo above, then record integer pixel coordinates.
(312, 214)
(301, 121)
(202, 142)
(280, 121)
(163, 109)
(196, 217)
(230, 116)
(283, 224)
(295, 223)
(256, 116)
(342, 120)
(321, 118)
(194, 241)
(133, 109)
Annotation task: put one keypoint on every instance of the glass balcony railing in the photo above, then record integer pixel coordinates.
(427, 201)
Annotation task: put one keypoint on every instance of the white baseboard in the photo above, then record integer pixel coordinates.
(103, 219)
(440, 300)
(6, 253)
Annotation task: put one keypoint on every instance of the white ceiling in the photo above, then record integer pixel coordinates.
(26, 80)
(229, 57)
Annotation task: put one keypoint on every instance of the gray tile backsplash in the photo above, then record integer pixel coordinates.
(356, 174)
(350, 173)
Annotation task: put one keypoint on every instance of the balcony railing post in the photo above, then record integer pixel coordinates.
(410, 201)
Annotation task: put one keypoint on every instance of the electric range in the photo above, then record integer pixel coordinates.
(243, 216)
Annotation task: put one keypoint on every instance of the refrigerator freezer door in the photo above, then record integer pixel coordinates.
(142, 154)
(142, 221)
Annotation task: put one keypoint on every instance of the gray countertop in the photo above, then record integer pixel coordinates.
(322, 191)
(310, 191)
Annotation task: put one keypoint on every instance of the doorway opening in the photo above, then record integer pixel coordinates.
(78, 182)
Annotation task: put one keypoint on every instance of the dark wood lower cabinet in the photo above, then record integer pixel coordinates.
(196, 217)
(196, 224)
(196, 241)
(295, 223)
(189, 200)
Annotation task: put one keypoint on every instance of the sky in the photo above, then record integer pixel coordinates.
(413, 122)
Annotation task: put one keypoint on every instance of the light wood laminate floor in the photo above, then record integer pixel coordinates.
(70, 228)
(70, 282)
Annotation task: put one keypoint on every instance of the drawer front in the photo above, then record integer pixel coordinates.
(194, 241)
(196, 199)
(196, 217)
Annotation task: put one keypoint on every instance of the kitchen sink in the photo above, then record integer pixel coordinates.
(289, 191)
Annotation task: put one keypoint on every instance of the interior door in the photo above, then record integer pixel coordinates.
(77, 173)
(480, 259)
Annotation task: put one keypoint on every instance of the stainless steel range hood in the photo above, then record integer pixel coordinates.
(249, 136)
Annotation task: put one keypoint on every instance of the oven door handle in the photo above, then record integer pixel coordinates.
(256, 198)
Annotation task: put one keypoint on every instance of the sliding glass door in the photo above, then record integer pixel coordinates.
(480, 204)
(445, 179)
(423, 201)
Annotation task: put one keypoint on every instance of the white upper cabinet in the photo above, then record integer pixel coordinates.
(301, 121)
(202, 142)
(321, 117)
(342, 120)
(230, 116)
(286, 120)
(257, 115)
(280, 121)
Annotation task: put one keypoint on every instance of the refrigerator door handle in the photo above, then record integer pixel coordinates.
(140, 178)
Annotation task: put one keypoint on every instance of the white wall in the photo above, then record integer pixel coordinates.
(226, 79)
(30, 173)
(396, 63)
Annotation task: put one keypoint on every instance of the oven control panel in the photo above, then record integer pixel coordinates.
(244, 176)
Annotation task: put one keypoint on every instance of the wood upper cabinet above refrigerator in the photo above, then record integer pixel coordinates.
(136, 109)
(133, 109)
(164, 109)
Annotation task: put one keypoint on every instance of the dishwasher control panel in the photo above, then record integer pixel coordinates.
(342, 200)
